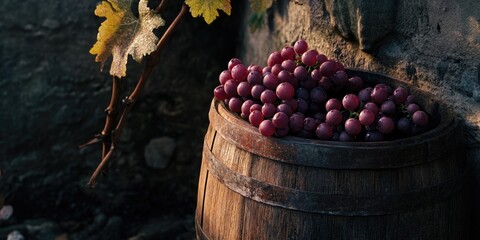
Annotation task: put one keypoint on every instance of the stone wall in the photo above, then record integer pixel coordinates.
(432, 44)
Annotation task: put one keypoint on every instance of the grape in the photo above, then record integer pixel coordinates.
(295, 122)
(410, 99)
(328, 68)
(254, 68)
(268, 96)
(385, 125)
(287, 53)
(412, 108)
(373, 136)
(315, 108)
(276, 69)
(255, 106)
(310, 124)
(233, 62)
(282, 132)
(294, 81)
(345, 137)
(270, 81)
(324, 131)
(284, 76)
(350, 102)
(280, 120)
(316, 75)
(318, 95)
(300, 46)
(230, 88)
(379, 94)
(292, 103)
(334, 117)
(400, 95)
(289, 65)
(364, 94)
(285, 108)
(339, 66)
(366, 117)
(326, 83)
(353, 126)
(239, 72)
(219, 93)
(274, 58)
(308, 83)
(388, 107)
(302, 93)
(254, 78)
(372, 107)
(321, 58)
(355, 84)
(420, 118)
(404, 125)
(300, 72)
(257, 90)
(244, 89)
(268, 110)
(235, 104)
(302, 105)
(340, 78)
(309, 58)
(224, 77)
(266, 70)
(266, 128)
(333, 103)
(255, 117)
(246, 106)
(319, 116)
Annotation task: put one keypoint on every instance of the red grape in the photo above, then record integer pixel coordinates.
(289, 65)
(239, 72)
(254, 78)
(334, 117)
(333, 103)
(257, 90)
(300, 46)
(420, 118)
(388, 107)
(340, 78)
(224, 76)
(255, 118)
(285, 91)
(280, 120)
(309, 57)
(300, 72)
(350, 102)
(353, 126)
(288, 53)
(266, 128)
(328, 68)
(233, 62)
(385, 125)
(274, 58)
(400, 95)
(235, 104)
(296, 122)
(324, 131)
(244, 89)
(270, 81)
(230, 88)
(366, 117)
(219, 93)
(268, 96)
(246, 106)
(268, 110)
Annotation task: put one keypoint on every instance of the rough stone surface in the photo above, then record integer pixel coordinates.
(434, 45)
(159, 151)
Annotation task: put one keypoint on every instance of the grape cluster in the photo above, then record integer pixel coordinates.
(303, 93)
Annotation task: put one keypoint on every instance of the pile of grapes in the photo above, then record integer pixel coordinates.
(303, 93)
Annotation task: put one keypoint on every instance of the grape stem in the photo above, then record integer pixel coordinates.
(109, 135)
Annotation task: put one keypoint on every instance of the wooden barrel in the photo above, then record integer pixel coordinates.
(254, 187)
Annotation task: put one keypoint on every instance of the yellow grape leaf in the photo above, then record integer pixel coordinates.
(208, 8)
(122, 33)
(259, 6)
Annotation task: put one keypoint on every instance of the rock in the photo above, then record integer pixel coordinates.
(6, 212)
(42, 229)
(113, 228)
(15, 235)
(159, 151)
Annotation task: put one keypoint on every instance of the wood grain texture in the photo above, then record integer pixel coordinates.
(254, 187)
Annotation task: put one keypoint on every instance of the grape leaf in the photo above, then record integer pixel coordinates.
(208, 8)
(122, 33)
(259, 6)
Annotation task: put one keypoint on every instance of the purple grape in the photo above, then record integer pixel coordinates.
(235, 104)
(410, 99)
(266, 128)
(328, 68)
(400, 95)
(266, 70)
(379, 94)
(268, 96)
(285, 91)
(355, 84)
(254, 68)
(287, 53)
(255, 106)
(300, 73)
(233, 62)
(404, 125)
(310, 124)
(246, 106)
(230, 88)
(270, 81)
(345, 137)
(420, 118)
(316, 75)
(339, 66)
(276, 69)
(282, 132)
(285, 108)
(255, 118)
(412, 108)
(274, 58)
(366, 117)
(388, 107)
(254, 78)
(284, 76)
(219, 93)
(324, 131)
(372, 107)
(268, 110)
(350, 102)
(280, 120)
(300, 46)
(353, 126)
(302, 105)
(318, 95)
(326, 83)
(364, 94)
(333, 103)
(302, 93)
(224, 76)
(239, 72)
(385, 125)
(244, 89)
(296, 122)
(289, 65)
(257, 90)
(334, 117)
(309, 57)
(373, 136)
(294, 81)
(340, 78)
(319, 116)
(321, 59)
(292, 103)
